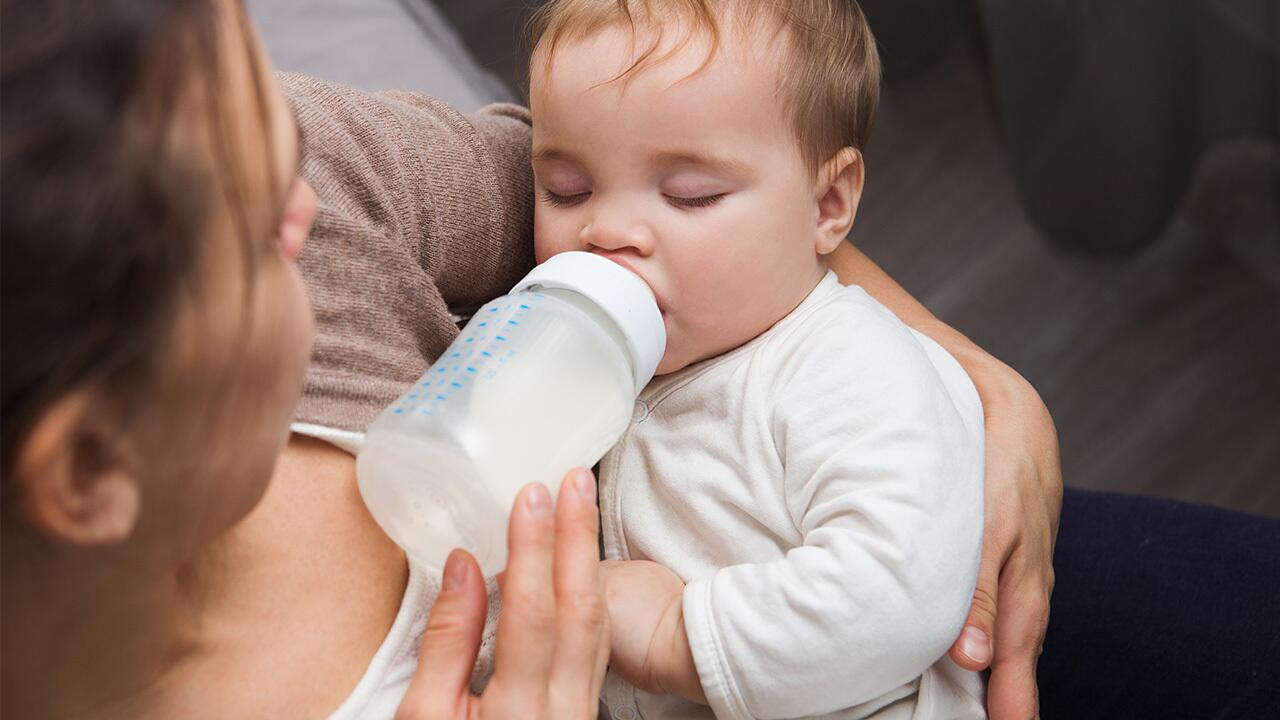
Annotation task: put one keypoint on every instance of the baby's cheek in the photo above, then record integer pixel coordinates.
(541, 249)
(551, 237)
(544, 245)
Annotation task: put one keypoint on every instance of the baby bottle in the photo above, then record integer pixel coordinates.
(541, 380)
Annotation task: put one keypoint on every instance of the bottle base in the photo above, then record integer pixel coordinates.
(429, 498)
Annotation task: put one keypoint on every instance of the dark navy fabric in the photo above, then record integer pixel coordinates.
(1164, 610)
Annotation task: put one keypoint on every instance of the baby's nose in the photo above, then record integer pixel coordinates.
(615, 235)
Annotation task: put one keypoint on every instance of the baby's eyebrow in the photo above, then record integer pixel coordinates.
(728, 166)
(546, 154)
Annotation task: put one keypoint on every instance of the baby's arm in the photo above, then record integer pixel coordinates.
(883, 480)
(649, 645)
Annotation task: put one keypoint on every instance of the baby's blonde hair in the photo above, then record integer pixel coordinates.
(829, 78)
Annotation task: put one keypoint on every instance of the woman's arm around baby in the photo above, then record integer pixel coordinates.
(1023, 488)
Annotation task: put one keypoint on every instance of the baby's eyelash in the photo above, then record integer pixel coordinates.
(696, 202)
(563, 200)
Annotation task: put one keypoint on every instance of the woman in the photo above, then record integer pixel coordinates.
(162, 554)
(156, 334)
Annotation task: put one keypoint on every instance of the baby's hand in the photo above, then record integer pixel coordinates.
(650, 648)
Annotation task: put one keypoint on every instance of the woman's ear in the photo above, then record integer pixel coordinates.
(839, 189)
(72, 479)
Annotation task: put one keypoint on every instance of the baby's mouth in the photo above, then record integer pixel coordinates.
(620, 259)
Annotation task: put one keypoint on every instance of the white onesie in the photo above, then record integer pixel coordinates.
(819, 489)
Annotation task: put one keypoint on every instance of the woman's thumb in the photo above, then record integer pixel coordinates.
(972, 649)
(449, 644)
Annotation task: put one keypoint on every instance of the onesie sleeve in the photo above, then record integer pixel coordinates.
(422, 210)
(883, 480)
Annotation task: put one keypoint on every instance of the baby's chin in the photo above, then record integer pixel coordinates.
(666, 367)
(672, 361)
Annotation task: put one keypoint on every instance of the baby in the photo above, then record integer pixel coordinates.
(805, 474)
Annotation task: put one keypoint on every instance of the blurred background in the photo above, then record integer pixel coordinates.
(1088, 189)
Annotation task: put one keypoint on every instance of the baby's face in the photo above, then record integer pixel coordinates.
(693, 181)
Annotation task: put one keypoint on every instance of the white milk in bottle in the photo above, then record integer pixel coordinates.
(541, 380)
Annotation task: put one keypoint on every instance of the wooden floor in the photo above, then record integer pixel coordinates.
(1162, 370)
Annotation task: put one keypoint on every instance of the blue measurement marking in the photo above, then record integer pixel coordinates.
(471, 369)
(524, 307)
(440, 397)
(440, 370)
(484, 324)
(399, 411)
(455, 384)
(471, 339)
(486, 353)
(493, 309)
(512, 322)
(456, 355)
(413, 397)
(499, 338)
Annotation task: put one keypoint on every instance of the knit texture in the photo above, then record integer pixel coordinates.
(421, 210)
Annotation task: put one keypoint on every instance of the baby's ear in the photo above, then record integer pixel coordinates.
(838, 190)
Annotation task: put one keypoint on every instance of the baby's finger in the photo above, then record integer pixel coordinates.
(449, 644)
(526, 629)
(582, 617)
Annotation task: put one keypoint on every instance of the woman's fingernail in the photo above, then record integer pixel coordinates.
(586, 485)
(538, 500)
(976, 644)
(455, 572)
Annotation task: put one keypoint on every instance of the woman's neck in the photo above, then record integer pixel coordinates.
(302, 591)
(94, 633)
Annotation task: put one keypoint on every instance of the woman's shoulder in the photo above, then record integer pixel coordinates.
(373, 598)
(381, 690)
(385, 680)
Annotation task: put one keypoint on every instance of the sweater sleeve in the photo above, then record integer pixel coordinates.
(883, 480)
(421, 210)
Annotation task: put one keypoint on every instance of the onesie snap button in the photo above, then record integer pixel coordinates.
(640, 412)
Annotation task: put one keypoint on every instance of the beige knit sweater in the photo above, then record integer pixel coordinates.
(422, 210)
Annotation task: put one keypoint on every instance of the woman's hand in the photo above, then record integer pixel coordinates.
(553, 636)
(1010, 611)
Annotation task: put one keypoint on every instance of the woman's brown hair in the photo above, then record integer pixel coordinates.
(102, 214)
